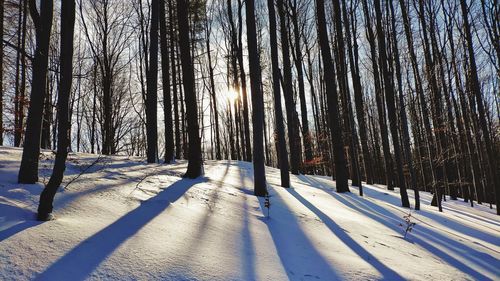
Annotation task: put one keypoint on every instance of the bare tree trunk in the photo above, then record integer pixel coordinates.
(195, 165)
(350, 131)
(298, 58)
(358, 91)
(218, 154)
(260, 188)
(402, 111)
(246, 123)
(28, 172)
(391, 106)
(67, 30)
(341, 174)
(152, 90)
(177, 132)
(389, 173)
(288, 92)
(476, 91)
(278, 112)
(167, 99)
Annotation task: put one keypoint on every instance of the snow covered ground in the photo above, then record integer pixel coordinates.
(125, 220)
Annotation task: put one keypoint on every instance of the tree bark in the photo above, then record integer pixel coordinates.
(288, 92)
(152, 87)
(260, 188)
(476, 91)
(28, 172)
(341, 174)
(278, 112)
(167, 98)
(63, 139)
(391, 107)
(195, 165)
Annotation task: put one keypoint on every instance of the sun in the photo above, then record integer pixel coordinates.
(232, 95)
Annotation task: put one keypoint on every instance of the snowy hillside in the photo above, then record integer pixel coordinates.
(125, 220)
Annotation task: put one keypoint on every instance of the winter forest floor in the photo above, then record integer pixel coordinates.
(125, 220)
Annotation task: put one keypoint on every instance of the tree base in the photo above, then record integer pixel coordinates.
(45, 217)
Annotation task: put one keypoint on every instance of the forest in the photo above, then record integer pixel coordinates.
(401, 94)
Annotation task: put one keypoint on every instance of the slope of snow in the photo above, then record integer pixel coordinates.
(126, 220)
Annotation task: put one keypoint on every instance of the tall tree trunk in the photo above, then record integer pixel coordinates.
(332, 99)
(436, 109)
(429, 139)
(288, 92)
(195, 165)
(63, 139)
(358, 91)
(476, 91)
(260, 188)
(308, 152)
(28, 172)
(47, 113)
(389, 173)
(167, 99)
(278, 112)
(391, 106)
(175, 82)
(152, 81)
(218, 154)
(402, 111)
(350, 131)
(246, 123)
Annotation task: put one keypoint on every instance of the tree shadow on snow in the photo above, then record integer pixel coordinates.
(78, 263)
(17, 220)
(435, 216)
(456, 254)
(298, 255)
(387, 273)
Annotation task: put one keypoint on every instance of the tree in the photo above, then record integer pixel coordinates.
(28, 172)
(167, 99)
(298, 59)
(152, 88)
(108, 39)
(293, 134)
(402, 112)
(391, 106)
(63, 139)
(352, 48)
(476, 92)
(379, 99)
(280, 130)
(260, 188)
(350, 131)
(195, 165)
(332, 100)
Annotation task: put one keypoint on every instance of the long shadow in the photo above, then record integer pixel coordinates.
(387, 273)
(474, 217)
(292, 244)
(295, 249)
(446, 221)
(453, 224)
(421, 235)
(248, 247)
(17, 219)
(196, 239)
(78, 263)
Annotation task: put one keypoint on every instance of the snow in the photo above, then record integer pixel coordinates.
(127, 220)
